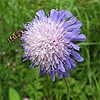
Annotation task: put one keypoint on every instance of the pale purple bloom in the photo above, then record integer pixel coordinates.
(25, 98)
(49, 42)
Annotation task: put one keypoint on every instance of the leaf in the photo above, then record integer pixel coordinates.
(13, 94)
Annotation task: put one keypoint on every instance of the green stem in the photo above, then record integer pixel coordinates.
(67, 88)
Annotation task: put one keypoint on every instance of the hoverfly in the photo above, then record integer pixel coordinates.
(15, 35)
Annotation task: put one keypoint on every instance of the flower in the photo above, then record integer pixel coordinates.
(25, 98)
(49, 42)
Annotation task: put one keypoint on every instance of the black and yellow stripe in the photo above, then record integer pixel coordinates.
(15, 35)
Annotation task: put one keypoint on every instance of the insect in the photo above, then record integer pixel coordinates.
(15, 35)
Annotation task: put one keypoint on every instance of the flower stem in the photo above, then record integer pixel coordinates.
(67, 88)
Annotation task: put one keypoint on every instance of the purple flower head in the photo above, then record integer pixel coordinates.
(49, 42)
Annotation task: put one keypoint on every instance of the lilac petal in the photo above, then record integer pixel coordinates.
(61, 15)
(68, 65)
(72, 62)
(23, 55)
(53, 75)
(61, 25)
(68, 14)
(66, 74)
(27, 58)
(71, 35)
(61, 67)
(78, 24)
(31, 65)
(42, 72)
(55, 66)
(40, 14)
(36, 18)
(60, 75)
(25, 26)
(53, 14)
(77, 56)
(69, 45)
(23, 36)
(34, 63)
(30, 24)
(77, 31)
(81, 37)
(70, 22)
(75, 46)
(24, 44)
(47, 68)
(49, 72)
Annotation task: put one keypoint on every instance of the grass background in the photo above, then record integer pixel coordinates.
(17, 81)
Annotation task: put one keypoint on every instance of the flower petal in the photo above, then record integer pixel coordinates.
(81, 37)
(70, 22)
(60, 75)
(61, 67)
(62, 15)
(72, 62)
(53, 75)
(77, 25)
(53, 14)
(27, 58)
(68, 14)
(75, 46)
(40, 14)
(66, 74)
(42, 72)
(71, 35)
(68, 65)
(77, 56)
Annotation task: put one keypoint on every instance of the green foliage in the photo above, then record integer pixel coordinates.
(18, 81)
(13, 94)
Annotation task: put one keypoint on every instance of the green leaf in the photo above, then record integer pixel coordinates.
(13, 94)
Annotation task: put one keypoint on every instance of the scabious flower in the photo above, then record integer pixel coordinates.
(49, 42)
(25, 98)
